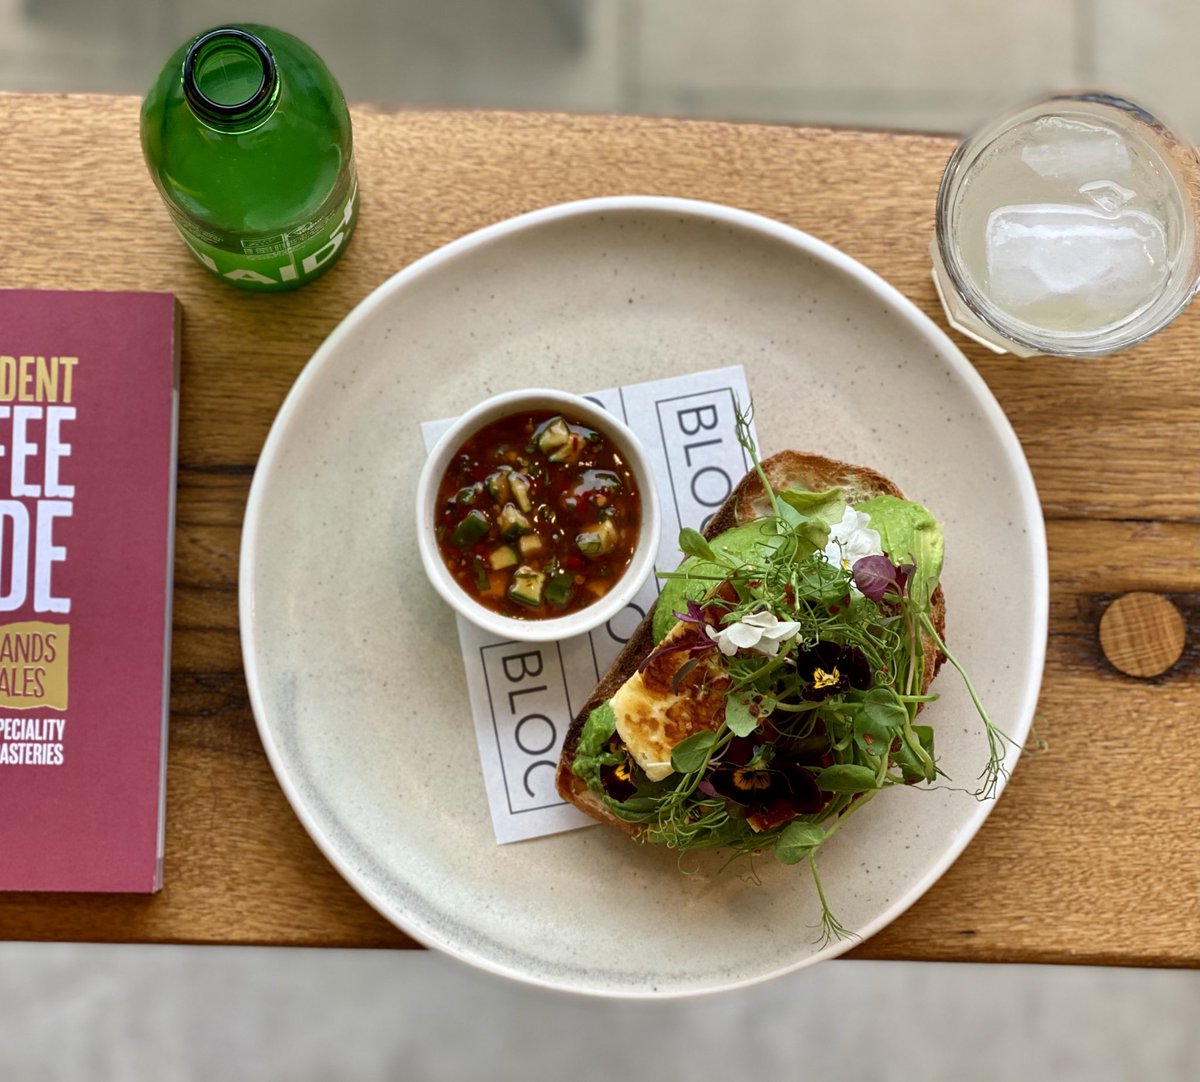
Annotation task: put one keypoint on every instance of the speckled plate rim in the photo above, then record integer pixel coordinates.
(308, 382)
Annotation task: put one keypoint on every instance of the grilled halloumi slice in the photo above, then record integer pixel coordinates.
(677, 695)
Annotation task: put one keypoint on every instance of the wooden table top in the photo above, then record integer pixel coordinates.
(1090, 855)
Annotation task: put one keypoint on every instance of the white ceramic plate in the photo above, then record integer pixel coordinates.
(353, 662)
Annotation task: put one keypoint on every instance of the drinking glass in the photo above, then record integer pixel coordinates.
(1068, 227)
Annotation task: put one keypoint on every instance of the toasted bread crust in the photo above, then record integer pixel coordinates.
(746, 502)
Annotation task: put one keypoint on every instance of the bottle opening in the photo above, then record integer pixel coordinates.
(228, 74)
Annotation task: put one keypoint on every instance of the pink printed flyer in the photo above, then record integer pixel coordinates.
(89, 405)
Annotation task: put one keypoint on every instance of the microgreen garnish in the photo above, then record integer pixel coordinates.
(745, 711)
(876, 577)
(831, 928)
(746, 438)
(816, 620)
(692, 543)
(694, 615)
(994, 769)
(697, 637)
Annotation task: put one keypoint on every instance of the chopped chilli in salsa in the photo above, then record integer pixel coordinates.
(537, 515)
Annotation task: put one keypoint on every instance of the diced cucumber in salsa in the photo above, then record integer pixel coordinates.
(569, 451)
(560, 589)
(519, 485)
(512, 522)
(599, 540)
(498, 485)
(504, 556)
(471, 529)
(527, 586)
(555, 433)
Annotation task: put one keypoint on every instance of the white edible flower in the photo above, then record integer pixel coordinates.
(759, 631)
(852, 539)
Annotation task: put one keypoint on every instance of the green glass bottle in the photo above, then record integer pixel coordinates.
(247, 136)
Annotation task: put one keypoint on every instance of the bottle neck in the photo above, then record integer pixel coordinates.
(230, 78)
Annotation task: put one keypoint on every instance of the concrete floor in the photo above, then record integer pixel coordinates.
(78, 1013)
(71, 1013)
(925, 64)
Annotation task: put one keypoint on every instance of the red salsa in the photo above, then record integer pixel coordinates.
(537, 515)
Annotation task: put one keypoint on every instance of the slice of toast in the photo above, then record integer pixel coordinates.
(748, 501)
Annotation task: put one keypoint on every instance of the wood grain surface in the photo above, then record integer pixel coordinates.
(1091, 854)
